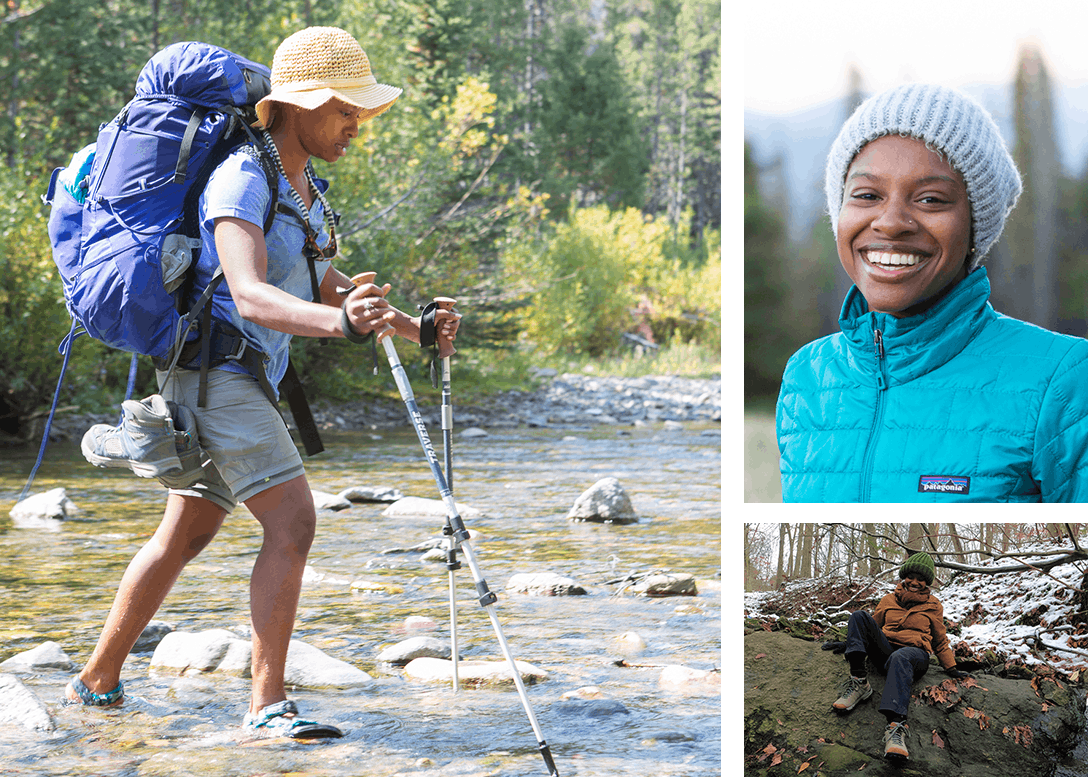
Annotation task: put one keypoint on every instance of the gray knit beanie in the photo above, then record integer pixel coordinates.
(947, 121)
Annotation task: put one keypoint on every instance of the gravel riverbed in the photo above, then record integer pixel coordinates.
(564, 400)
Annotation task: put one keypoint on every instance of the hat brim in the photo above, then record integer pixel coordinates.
(372, 100)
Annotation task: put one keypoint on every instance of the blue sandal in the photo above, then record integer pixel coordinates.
(90, 699)
(271, 721)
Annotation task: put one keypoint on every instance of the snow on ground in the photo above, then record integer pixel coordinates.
(1003, 613)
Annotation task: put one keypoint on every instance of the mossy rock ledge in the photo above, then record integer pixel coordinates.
(988, 727)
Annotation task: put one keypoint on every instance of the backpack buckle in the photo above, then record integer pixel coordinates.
(238, 354)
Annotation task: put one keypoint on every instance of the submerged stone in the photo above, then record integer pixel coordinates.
(665, 584)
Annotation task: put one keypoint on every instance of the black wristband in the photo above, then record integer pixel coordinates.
(427, 332)
(349, 332)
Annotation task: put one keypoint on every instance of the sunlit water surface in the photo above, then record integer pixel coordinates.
(58, 586)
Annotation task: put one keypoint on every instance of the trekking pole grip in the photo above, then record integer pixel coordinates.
(445, 347)
(362, 279)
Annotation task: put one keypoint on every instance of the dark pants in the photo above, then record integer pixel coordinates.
(903, 665)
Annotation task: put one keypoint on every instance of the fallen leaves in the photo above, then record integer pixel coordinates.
(760, 655)
(1021, 735)
(937, 739)
(983, 719)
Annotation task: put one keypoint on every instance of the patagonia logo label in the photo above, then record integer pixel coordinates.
(946, 484)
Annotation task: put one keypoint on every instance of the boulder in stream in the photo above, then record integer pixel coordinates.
(187, 652)
(371, 494)
(472, 674)
(44, 657)
(420, 507)
(151, 636)
(310, 667)
(416, 647)
(19, 706)
(543, 584)
(327, 501)
(604, 502)
(665, 584)
(988, 726)
(43, 510)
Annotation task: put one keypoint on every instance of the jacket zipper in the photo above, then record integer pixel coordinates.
(874, 433)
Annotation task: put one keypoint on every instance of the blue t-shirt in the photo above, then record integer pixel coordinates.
(238, 188)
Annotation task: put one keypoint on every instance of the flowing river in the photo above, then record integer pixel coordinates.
(58, 585)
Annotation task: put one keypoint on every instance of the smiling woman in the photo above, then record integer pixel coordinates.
(928, 394)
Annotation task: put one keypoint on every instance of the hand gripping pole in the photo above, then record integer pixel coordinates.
(460, 535)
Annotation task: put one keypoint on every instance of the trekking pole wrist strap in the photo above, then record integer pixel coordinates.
(349, 331)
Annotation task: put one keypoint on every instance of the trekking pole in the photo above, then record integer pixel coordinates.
(460, 536)
(445, 351)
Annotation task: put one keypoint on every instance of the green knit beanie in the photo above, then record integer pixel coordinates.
(920, 562)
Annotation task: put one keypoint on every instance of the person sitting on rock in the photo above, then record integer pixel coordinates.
(898, 638)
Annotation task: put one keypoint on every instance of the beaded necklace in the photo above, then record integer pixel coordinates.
(329, 222)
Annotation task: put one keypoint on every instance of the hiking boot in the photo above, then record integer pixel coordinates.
(854, 690)
(142, 442)
(895, 741)
(187, 447)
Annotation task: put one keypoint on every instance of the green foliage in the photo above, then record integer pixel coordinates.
(764, 291)
(588, 135)
(443, 194)
(603, 273)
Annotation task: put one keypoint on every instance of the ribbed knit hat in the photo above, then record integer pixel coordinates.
(949, 122)
(920, 562)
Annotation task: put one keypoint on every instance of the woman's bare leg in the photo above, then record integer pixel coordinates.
(187, 526)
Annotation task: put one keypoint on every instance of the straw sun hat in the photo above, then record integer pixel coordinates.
(319, 63)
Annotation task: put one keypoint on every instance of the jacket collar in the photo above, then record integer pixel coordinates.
(917, 345)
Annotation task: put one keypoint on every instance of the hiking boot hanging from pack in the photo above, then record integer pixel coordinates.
(895, 741)
(853, 691)
(144, 441)
(187, 447)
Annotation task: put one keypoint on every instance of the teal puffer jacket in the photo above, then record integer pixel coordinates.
(957, 404)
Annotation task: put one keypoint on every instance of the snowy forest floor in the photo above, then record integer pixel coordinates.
(1015, 623)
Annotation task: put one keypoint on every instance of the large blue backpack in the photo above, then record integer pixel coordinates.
(124, 225)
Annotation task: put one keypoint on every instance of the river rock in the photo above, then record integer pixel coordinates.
(543, 584)
(310, 667)
(594, 709)
(630, 643)
(311, 575)
(986, 727)
(416, 647)
(472, 674)
(371, 494)
(603, 502)
(43, 510)
(186, 652)
(418, 506)
(238, 660)
(473, 431)
(326, 501)
(151, 636)
(19, 706)
(45, 656)
(665, 584)
(684, 679)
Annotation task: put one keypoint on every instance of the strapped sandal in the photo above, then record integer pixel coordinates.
(90, 699)
(272, 721)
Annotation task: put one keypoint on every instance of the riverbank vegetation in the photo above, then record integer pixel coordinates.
(552, 164)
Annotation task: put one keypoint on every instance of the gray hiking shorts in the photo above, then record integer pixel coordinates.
(242, 433)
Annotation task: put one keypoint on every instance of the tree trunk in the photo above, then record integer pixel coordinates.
(781, 555)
